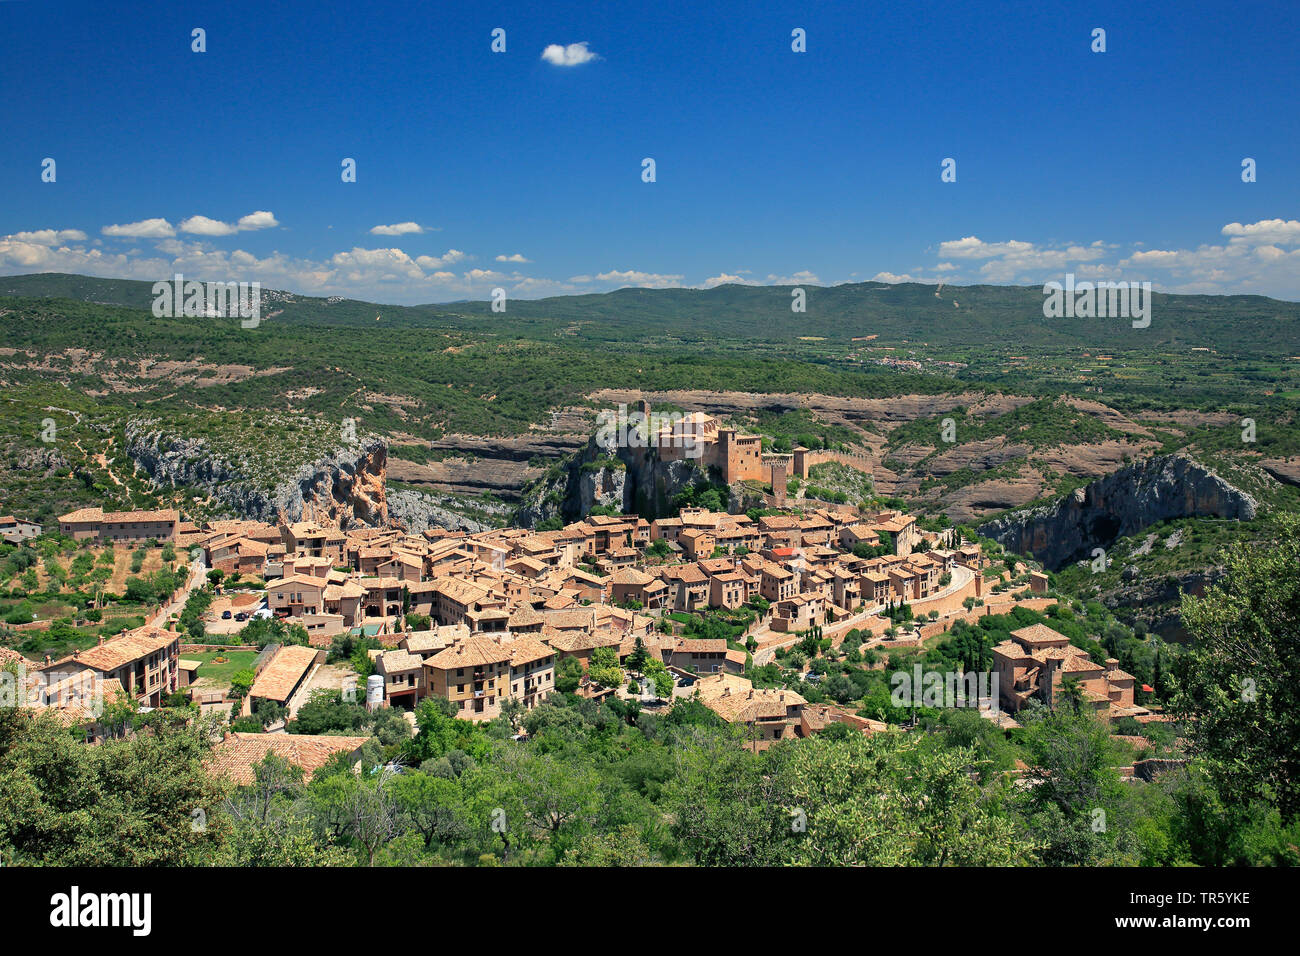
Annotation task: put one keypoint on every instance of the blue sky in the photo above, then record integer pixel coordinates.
(771, 166)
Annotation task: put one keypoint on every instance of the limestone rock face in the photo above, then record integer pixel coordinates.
(344, 488)
(44, 460)
(1094, 516)
(415, 512)
(601, 487)
(644, 484)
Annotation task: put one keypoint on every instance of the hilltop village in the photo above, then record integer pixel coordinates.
(494, 622)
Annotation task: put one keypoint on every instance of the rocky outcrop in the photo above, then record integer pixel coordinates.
(633, 480)
(518, 448)
(345, 488)
(473, 465)
(1285, 470)
(415, 512)
(43, 461)
(1124, 503)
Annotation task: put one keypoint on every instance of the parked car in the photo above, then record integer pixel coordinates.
(226, 615)
(241, 616)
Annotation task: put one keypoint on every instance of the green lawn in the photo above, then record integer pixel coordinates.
(222, 672)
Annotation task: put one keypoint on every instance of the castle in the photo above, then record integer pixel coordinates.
(737, 457)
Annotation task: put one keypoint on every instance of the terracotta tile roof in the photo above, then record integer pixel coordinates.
(686, 573)
(700, 645)
(573, 641)
(123, 517)
(1037, 634)
(473, 652)
(525, 616)
(572, 619)
(119, 651)
(735, 699)
(297, 581)
(279, 678)
(393, 662)
(235, 756)
(525, 650)
(631, 576)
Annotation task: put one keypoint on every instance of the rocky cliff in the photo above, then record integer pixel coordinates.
(632, 480)
(414, 512)
(344, 488)
(1094, 516)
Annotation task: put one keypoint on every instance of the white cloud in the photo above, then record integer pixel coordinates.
(257, 220)
(203, 226)
(144, 229)
(724, 278)
(974, 248)
(397, 229)
(49, 237)
(894, 279)
(450, 257)
(1016, 260)
(631, 277)
(572, 55)
(1261, 257)
(802, 277)
(1285, 232)
(379, 265)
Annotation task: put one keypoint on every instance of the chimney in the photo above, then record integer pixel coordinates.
(101, 640)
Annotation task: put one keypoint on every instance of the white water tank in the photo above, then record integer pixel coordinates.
(374, 691)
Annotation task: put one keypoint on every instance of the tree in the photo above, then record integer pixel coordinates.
(725, 810)
(625, 847)
(123, 802)
(1074, 785)
(893, 799)
(435, 807)
(603, 667)
(637, 659)
(551, 794)
(568, 675)
(1239, 684)
(1072, 693)
(273, 776)
(327, 712)
(241, 682)
(658, 673)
